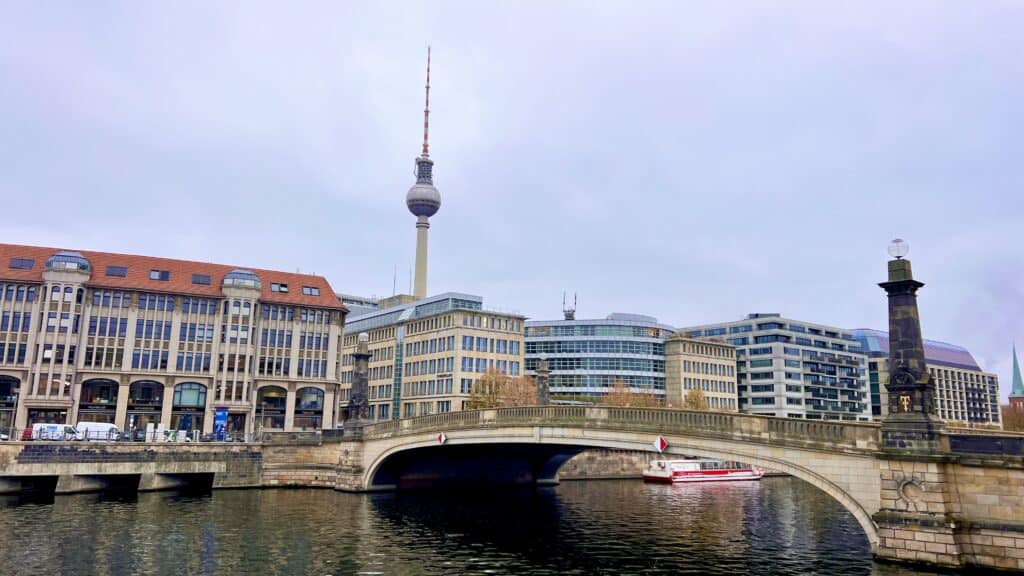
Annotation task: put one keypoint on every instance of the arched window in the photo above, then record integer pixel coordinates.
(8, 387)
(145, 393)
(309, 399)
(189, 395)
(98, 400)
(309, 408)
(99, 391)
(271, 403)
(272, 398)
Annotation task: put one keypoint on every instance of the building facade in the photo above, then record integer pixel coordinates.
(133, 340)
(965, 394)
(703, 365)
(586, 357)
(426, 354)
(794, 369)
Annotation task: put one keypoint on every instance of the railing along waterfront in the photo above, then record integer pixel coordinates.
(857, 436)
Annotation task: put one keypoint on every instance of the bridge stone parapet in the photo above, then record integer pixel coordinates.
(861, 438)
(232, 465)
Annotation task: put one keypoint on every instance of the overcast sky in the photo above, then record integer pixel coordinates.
(690, 161)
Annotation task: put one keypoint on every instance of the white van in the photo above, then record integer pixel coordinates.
(97, 431)
(63, 432)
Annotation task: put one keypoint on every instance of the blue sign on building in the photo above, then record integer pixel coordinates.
(220, 423)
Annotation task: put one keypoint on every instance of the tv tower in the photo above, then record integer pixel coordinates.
(423, 200)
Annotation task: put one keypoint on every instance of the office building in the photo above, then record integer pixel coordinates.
(704, 365)
(794, 369)
(586, 357)
(965, 395)
(132, 340)
(427, 354)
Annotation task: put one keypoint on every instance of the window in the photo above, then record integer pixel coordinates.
(22, 263)
(117, 271)
(203, 279)
(309, 290)
(161, 275)
(276, 287)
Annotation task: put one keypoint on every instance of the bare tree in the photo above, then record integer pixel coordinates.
(486, 391)
(1013, 419)
(497, 390)
(519, 391)
(621, 395)
(695, 400)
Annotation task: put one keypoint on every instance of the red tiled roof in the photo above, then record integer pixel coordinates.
(181, 276)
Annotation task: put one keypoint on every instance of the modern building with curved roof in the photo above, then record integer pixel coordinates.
(965, 394)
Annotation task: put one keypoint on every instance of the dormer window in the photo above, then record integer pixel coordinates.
(242, 279)
(277, 287)
(68, 260)
(22, 263)
(202, 279)
(161, 275)
(117, 271)
(310, 290)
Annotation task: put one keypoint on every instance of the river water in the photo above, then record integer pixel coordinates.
(775, 526)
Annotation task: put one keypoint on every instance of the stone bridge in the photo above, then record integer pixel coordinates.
(530, 444)
(963, 505)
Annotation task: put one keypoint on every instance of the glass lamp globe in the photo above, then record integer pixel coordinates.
(899, 248)
(364, 337)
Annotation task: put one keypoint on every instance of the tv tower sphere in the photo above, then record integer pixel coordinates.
(423, 199)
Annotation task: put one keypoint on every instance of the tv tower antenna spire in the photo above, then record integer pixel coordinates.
(426, 113)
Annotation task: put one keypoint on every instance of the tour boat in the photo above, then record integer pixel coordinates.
(700, 471)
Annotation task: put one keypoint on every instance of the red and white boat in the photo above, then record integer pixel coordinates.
(700, 471)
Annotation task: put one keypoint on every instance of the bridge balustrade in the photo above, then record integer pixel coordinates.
(831, 435)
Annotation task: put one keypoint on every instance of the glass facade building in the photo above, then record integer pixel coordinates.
(964, 393)
(586, 357)
(794, 369)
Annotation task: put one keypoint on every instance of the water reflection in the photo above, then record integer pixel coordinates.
(776, 526)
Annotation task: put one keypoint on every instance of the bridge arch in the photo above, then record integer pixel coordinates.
(851, 479)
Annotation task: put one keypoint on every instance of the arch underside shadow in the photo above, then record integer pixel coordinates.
(478, 461)
(472, 465)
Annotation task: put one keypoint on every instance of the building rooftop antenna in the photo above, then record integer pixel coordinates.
(570, 313)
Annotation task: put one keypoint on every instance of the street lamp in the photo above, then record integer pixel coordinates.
(899, 248)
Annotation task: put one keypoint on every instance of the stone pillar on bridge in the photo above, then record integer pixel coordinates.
(912, 423)
(543, 383)
(917, 518)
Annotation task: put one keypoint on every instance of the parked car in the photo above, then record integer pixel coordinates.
(4, 437)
